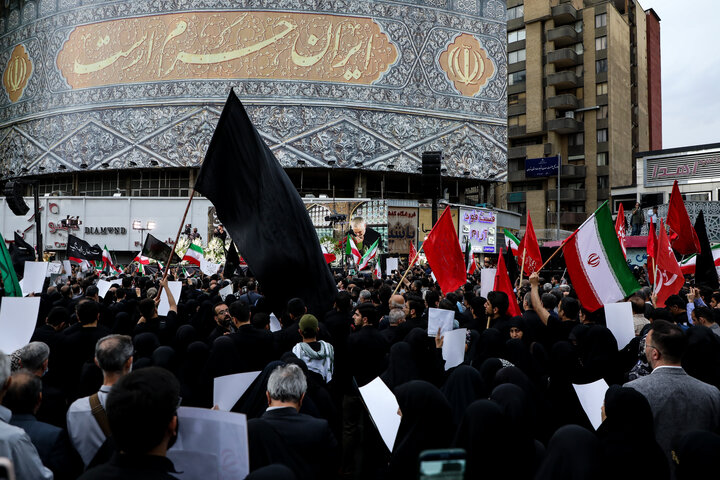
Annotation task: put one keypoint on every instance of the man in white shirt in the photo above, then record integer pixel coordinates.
(87, 430)
(15, 444)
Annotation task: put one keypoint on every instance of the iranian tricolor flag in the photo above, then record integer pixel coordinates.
(142, 260)
(108, 263)
(194, 254)
(472, 265)
(351, 249)
(688, 265)
(596, 264)
(369, 255)
(511, 242)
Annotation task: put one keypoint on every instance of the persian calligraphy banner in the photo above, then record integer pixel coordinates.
(402, 229)
(221, 45)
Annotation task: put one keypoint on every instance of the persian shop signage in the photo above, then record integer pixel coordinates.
(665, 170)
(477, 226)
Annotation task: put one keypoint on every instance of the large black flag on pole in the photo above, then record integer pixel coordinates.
(79, 250)
(264, 214)
(705, 271)
(158, 250)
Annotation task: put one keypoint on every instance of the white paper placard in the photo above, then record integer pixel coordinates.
(382, 406)
(54, 268)
(228, 389)
(208, 268)
(391, 263)
(225, 291)
(487, 281)
(619, 319)
(17, 322)
(67, 267)
(453, 349)
(211, 444)
(175, 288)
(592, 396)
(103, 287)
(442, 319)
(34, 277)
(275, 324)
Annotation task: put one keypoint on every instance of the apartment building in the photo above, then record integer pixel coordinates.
(584, 84)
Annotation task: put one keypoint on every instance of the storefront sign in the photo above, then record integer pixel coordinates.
(701, 167)
(478, 226)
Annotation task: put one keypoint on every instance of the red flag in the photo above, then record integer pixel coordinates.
(683, 238)
(651, 253)
(669, 276)
(413, 254)
(442, 249)
(620, 228)
(503, 284)
(529, 244)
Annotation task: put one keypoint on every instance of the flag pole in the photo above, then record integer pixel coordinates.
(177, 238)
(408, 269)
(522, 265)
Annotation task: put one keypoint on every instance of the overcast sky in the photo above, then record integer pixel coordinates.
(690, 70)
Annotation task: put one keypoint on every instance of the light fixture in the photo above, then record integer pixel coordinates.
(151, 225)
(136, 225)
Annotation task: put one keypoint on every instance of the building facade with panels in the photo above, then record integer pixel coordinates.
(103, 97)
(583, 83)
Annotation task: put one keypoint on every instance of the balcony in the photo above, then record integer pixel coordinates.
(516, 131)
(564, 125)
(517, 152)
(566, 101)
(564, 57)
(567, 218)
(564, 13)
(516, 197)
(563, 36)
(566, 195)
(516, 176)
(573, 171)
(564, 79)
(603, 193)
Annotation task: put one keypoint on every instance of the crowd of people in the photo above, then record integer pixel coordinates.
(96, 391)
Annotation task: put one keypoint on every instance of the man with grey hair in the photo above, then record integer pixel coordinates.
(283, 435)
(86, 419)
(34, 358)
(15, 444)
(392, 332)
(365, 297)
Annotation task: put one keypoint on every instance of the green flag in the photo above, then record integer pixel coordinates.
(9, 279)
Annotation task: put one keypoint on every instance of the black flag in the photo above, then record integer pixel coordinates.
(705, 272)
(78, 250)
(264, 214)
(21, 252)
(232, 262)
(158, 250)
(511, 266)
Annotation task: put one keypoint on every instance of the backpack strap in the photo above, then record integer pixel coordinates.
(100, 415)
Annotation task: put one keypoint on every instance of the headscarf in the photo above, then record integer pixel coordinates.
(463, 387)
(627, 437)
(124, 324)
(401, 366)
(145, 344)
(195, 389)
(573, 453)
(696, 455)
(426, 424)
(254, 402)
(166, 358)
(484, 435)
(223, 358)
(520, 413)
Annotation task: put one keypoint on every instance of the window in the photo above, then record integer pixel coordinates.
(576, 139)
(517, 77)
(602, 135)
(56, 185)
(601, 43)
(516, 56)
(603, 182)
(516, 99)
(517, 121)
(160, 184)
(516, 36)
(601, 65)
(601, 88)
(696, 197)
(602, 112)
(98, 185)
(602, 159)
(601, 20)
(515, 12)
